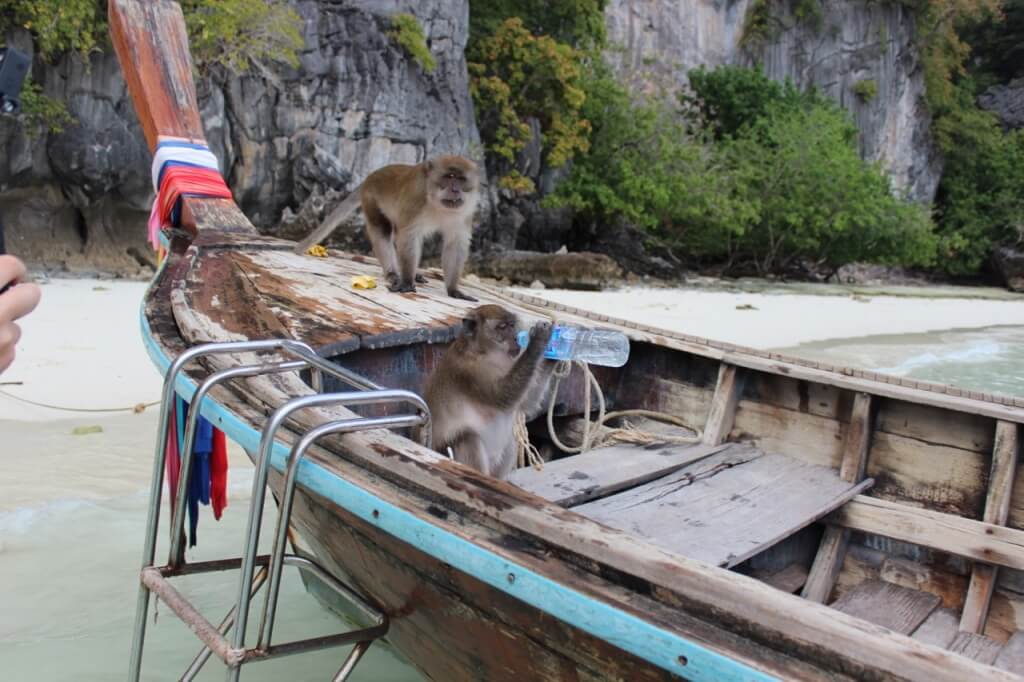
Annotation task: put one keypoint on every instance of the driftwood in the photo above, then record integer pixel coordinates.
(582, 270)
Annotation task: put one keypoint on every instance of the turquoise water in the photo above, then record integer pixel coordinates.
(990, 359)
(71, 527)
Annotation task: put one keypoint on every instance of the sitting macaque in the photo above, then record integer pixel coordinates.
(403, 205)
(479, 385)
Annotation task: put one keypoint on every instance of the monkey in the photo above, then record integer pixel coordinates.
(479, 384)
(404, 204)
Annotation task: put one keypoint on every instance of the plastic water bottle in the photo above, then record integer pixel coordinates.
(603, 347)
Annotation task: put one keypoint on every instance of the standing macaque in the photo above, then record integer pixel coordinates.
(479, 385)
(405, 204)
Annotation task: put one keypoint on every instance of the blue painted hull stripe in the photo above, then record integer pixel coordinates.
(660, 647)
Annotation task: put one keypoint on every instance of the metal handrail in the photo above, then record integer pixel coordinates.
(305, 357)
(259, 483)
(281, 535)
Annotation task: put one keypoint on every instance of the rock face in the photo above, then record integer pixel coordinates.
(850, 42)
(290, 141)
(1006, 102)
(1009, 263)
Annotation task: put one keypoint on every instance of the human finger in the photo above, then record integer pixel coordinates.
(11, 269)
(19, 301)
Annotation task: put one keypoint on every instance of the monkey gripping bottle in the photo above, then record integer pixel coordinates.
(603, 347)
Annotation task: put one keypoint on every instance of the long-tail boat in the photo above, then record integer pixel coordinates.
(831, 523)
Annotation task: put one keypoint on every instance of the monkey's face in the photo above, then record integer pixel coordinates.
(453, 182)
(493, 329)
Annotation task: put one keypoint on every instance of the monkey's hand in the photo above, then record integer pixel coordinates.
(540, 335)
(455, 293)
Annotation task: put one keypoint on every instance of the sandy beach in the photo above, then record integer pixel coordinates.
(781, 318)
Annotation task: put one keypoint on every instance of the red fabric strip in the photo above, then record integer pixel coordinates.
(172, 463)
(181, 180)
(219, 473)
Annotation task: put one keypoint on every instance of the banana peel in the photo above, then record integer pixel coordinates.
(317, 250)
(364, 282)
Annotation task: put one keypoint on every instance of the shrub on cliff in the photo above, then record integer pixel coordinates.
(228, 32)
(516, 76)
(764, 177)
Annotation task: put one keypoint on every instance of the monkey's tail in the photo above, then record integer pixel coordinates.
(340, 214)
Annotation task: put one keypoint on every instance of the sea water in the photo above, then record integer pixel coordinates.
(72, 513)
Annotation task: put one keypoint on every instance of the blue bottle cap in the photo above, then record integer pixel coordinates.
(523, 338)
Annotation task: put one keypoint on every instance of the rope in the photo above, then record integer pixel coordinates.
(137, 408)
(592, 431)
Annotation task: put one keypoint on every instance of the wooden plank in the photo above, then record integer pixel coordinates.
(827, 564)
(603, 471)
(728, 507)
(948, 533)
(790, 579)
(888, 605)
(938, 629)
(976, 647)
(997, 510)
(939, 477)
(829, 559)
(1012, 656)
(801, 435)
(858, 439)
(723, 405)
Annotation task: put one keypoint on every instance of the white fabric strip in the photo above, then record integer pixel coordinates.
(171, 151)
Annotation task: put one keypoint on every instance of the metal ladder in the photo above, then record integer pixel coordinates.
(155, 579)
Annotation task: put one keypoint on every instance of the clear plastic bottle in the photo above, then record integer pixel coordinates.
(603, 347)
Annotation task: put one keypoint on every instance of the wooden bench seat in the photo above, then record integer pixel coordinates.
(719, 504)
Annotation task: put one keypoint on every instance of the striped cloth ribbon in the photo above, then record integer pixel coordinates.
(181, 168)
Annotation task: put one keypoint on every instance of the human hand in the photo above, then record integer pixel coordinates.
(15, 303)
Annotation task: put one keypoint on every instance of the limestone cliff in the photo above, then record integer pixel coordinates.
(286, 137)
(858, 52)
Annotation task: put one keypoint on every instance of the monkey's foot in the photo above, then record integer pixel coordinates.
(455, 293)
(402, 287)
(420, 279)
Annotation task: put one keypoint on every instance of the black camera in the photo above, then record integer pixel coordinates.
(13, 68)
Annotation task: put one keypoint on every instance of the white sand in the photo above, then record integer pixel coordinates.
(780, 320)
(81, 348)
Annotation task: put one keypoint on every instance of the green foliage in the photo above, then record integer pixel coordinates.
(579, 23)
(408, 33)
(58, 25)
(232, 33)
(728, 98)
(238, 33)
(516, 76)
(866, 89)
(642, 167)
(759, 26)
(943, 51)
(763, 175)
(808, 12)
(981, 195)
(818, 201)
(40, 112)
